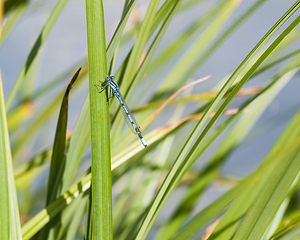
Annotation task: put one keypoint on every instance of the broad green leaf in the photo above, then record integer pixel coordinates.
(99, 116)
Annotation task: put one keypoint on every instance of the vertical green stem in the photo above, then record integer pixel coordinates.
(100, 135)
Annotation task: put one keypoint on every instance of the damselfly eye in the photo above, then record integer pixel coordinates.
(112, 77)
(107, 79)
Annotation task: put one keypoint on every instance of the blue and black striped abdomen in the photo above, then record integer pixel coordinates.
(115, 88)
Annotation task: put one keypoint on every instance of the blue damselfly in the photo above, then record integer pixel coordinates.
(109, 81)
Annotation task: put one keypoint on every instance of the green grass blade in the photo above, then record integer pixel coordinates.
(276, 61)
(99, 117)
(34, 51)
(9, 210)
(57, 160)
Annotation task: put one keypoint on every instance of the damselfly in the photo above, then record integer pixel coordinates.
(109, 81)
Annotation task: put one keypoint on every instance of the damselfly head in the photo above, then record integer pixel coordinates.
(109, 78)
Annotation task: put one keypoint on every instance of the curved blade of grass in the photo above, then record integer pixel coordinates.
(205, 96)
(146, 61)
(9, 210)
(182, 163)
(276, 61)
(257, 104)
(161, 14)
(211, 95)
(286, 31)
(99, 117)
(34, 51)
(116, 39)
(58, 152)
